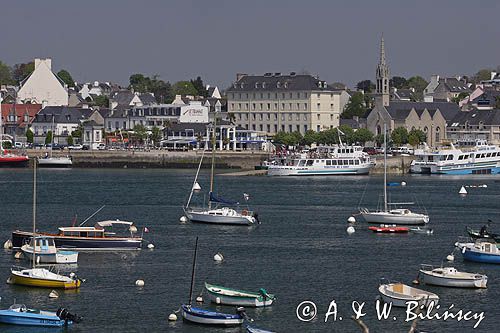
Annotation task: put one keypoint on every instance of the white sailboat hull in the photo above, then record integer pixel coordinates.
(212, 217)
(399, 298)
(474, 281)
(389, 218)
(55, 162)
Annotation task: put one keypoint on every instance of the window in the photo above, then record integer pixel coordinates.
(290, 128)
(331, 106)
(328, 162)
(298, 106)
(319, 95)
(298, 128)
(305, 117)
(282, 128)
(239, 106)
(253, 116)
(305, 128)
(290, 106)
(290, 117)
(260, 116)
(331, 117)
(297, 117)
(291, 96)
(253, 106)
(283, 117)
(275, 128)
(261, 127)
(275, 116)
(318, 116)
(305, 106)
(275, 106)
(318, 106)
(268, 116)
(253, 127)
(268, 128)
(318, 128)
(261, 106)
(268, 106)
(305, 95)
(283, 95)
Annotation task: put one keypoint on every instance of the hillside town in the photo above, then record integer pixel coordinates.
(253, 113)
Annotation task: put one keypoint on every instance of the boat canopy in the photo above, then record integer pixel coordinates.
(80, 229)
(110, 223)
(213, 198)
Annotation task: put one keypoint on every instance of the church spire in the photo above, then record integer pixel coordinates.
(382, 76)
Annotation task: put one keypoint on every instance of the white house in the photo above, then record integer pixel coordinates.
(43, 86)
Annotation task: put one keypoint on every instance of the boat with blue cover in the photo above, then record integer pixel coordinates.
(19, 314)
(251, 329)
(483, 251)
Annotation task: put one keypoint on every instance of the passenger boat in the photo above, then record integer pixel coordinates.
(388, 215)
(19, 314)
(47, 253)
(477, 157)
(336, 160)
(399, 294)
(207, 317)
(451, 277)
(480, 251)
(392, 229)
(218, 210)
(100, 237)
(228, 296)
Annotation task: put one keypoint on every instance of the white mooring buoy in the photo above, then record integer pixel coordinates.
(199, 299)
(8, 244)
(403, 183)
(151, 246)
(462, 191)
(172, 317)
(351, 219)
(183, 219)
(450, 257)
(218, 257)
(217, 300)
(139, 283)
(350, 230)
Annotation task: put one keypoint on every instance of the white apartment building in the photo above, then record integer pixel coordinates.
(273, 102)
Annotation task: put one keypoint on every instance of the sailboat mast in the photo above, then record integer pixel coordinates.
(214, 147)
(385, 168)
(1, 126)
(34, 213)
(52, 143)
(192, 272)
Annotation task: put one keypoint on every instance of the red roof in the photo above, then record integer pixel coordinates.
(21, 110)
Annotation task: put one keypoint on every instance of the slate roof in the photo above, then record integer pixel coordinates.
(181, 127)
(280, 82)
(400, 110)
(62, 114)
(486, 117)
(403, 94)
(454, 85)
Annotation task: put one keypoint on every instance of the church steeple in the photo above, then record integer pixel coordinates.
(382, 76)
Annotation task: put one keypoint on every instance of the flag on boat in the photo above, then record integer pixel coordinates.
(246, 196)
(146, 229)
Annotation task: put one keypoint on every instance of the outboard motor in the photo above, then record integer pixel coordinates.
(256, 217)
(241, 311)
(67, 316)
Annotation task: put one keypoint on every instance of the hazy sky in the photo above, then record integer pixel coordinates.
(109, 40)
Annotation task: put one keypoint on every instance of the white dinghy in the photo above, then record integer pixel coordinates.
(399, 294)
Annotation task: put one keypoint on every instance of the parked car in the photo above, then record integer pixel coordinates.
(370, 150)
(101, 146)
(38, 145)
(403, 150)
(85, 147)
(55, 146)
(75, 147)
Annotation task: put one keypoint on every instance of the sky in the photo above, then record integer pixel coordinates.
(181, 39)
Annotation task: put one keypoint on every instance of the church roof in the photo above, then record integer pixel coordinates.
(400, 110)
(486, 117)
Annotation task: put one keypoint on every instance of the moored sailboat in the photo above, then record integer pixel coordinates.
(50, 161)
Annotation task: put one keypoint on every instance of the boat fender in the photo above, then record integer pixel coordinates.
(199, 299)
(256, 217)
(217, 300)
(18, 255)
(218, 257)
(350, 230)
(172, 317)
(450, 257)
(139, 283)
(68, 316)
(8, 244)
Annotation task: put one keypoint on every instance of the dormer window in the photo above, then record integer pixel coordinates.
(278, 84)
(285, 85)
(263, 85)
(256, 85)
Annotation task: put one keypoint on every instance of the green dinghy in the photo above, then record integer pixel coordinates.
(229, 296)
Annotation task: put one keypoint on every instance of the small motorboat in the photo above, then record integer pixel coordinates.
(419, 230)
(480, 251)
(19, 314)
(451, 277)
(399, 294)
(389, 229)
(228, 296)
(207, 317)
(47, 253)
(482, 233)
(41, 277)
(251, 329)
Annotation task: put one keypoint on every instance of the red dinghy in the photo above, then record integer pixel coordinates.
(389, 229)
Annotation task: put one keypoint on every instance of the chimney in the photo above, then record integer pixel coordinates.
(239, 76)
(493, 75)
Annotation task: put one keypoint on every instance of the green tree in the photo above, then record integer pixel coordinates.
(161, 90)
(156, 136)
(309, 138)
(102, 101)
(48, 138)
(399, 136)
(460, 97)
(78, 132)
(398, 82)
(482, 75)
(497, 102)
(362, 135)
(69, 140)
(419, 84)
(22, 71)
(416, 137)
(366, 85)
(379, 139)
(66, 77)
(288, 139)
(5, 74)
(184, 88)
(141, 132)
(355, 106)
(29, 135)
(200, 87)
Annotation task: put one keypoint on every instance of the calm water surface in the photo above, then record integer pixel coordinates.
(301, 251)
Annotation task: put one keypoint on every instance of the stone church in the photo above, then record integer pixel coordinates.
(430, 117)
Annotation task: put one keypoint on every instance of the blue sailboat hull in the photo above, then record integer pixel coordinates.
(481, 257)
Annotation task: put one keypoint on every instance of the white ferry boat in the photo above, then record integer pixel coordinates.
(337, 160)
(477, 157)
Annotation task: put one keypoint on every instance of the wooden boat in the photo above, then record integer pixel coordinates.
(389, 229)
(399, 294)
(228, 296)
(47, 253)
(451, 277)
(207, 317)
(42, 277)
(480, 251)
(19, 314)
(251, 329)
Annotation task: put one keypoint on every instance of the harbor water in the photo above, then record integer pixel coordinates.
(300, 252)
